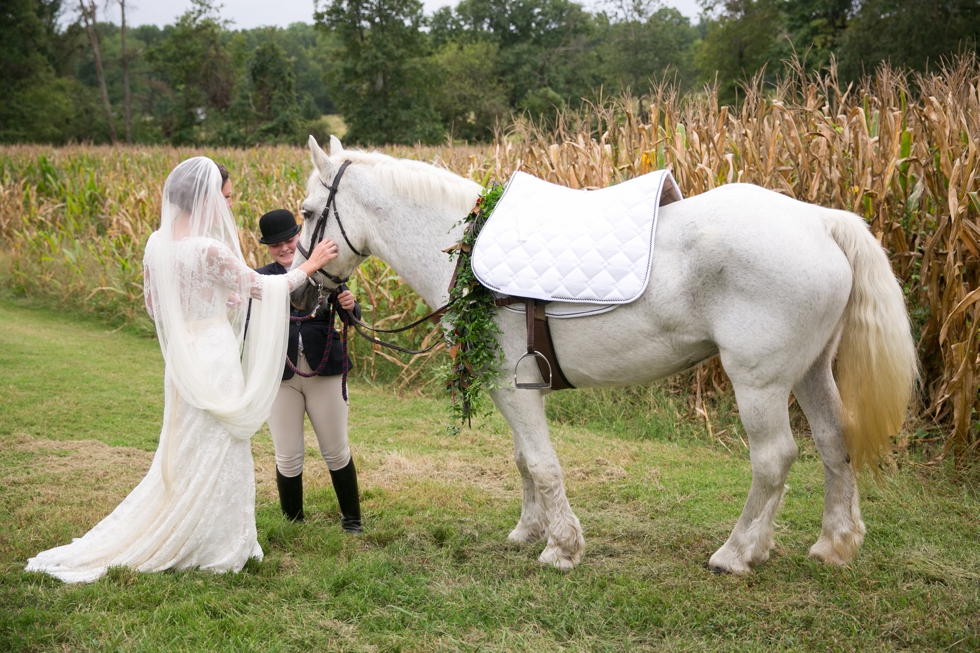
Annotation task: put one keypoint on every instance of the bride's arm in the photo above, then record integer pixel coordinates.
(229, 268)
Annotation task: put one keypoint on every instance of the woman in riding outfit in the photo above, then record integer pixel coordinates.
(318, 396)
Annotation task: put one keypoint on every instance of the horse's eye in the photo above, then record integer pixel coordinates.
(307, 214)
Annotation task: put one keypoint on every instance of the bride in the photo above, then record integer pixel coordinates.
(196, 506)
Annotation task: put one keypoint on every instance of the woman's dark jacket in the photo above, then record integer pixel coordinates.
(315, 333)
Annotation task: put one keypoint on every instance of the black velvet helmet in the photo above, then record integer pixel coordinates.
(278, 226)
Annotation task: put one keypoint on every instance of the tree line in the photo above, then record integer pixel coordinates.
(397, 75)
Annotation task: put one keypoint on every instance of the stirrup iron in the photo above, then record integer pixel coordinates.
(529, 307)
(533, 385)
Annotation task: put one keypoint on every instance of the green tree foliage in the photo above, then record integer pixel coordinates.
(397, 76)
(640, 44)
(545, 47)
(383, 76)
(39, 104)
(914, 34)
(264, 106)
(193, 61)
(471, 98)
(815, 28)
(739, 43)
(307, 47)
(274, 90)
(310, 50)
(746, 35)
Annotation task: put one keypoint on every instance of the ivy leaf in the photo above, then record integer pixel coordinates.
(476, 356)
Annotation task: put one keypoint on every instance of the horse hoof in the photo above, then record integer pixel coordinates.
(718, 570)
(837, 551)
(561, 563)
(553, 557)
(725, 562)
(527, 536)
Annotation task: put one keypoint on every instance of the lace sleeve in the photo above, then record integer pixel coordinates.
(227, 269)
(147, 293)
(295, 279)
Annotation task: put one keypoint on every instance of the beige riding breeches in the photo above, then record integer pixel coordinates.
(319, 397)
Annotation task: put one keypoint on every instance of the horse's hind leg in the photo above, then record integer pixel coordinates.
(546, 511)
(843, 531)
(772, 450)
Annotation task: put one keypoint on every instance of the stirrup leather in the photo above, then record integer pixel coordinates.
(530, 306)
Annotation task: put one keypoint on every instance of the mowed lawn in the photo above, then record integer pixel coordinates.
(80, 411)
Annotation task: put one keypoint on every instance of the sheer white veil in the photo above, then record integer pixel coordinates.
(196, 279)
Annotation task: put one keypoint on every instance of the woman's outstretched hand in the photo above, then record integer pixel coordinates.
(322, 254)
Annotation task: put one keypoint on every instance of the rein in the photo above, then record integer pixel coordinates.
(435, 316)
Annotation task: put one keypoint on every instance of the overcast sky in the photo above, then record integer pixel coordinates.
(246, 14)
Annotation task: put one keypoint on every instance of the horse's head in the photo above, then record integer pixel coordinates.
(321, 222)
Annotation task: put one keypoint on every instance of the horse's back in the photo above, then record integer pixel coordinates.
(738, 270)
(740, 237)
(749, 223)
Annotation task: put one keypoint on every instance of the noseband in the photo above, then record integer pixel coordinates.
(321, 225)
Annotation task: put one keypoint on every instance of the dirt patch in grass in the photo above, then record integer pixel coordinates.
(62, 489)
(397, 471)
(94, 471)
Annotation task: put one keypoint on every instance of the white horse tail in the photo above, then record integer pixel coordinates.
(877, 367)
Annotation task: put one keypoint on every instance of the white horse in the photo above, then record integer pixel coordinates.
(777, 287)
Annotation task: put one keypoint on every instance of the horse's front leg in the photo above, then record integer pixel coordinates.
(545, 511)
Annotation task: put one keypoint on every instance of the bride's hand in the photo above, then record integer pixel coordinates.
(322, 254)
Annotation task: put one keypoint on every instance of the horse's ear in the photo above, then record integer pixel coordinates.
(335, 146)
(318, 156)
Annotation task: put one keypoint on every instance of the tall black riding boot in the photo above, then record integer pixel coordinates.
(345, 485)
(290, 495)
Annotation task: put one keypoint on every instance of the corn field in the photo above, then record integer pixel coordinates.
(899, 150)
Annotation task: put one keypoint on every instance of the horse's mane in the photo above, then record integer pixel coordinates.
(418, 182)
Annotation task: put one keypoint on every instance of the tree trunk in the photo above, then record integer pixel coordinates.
(125, 64)
(88, 15)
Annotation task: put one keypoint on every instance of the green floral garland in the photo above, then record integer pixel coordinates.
(472, 342)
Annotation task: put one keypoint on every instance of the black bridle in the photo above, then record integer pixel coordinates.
(321, 225)
(349, 318)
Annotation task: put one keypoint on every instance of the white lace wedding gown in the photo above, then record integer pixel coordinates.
(206, 518)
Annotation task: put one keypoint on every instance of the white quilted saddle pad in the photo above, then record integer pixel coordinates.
(549, 242)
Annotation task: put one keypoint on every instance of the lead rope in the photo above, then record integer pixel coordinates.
(345, 320)
(332, 306)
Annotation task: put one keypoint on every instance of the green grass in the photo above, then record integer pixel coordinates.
(80, 409)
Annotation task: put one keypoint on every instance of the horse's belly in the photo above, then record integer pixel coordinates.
(615, 357)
